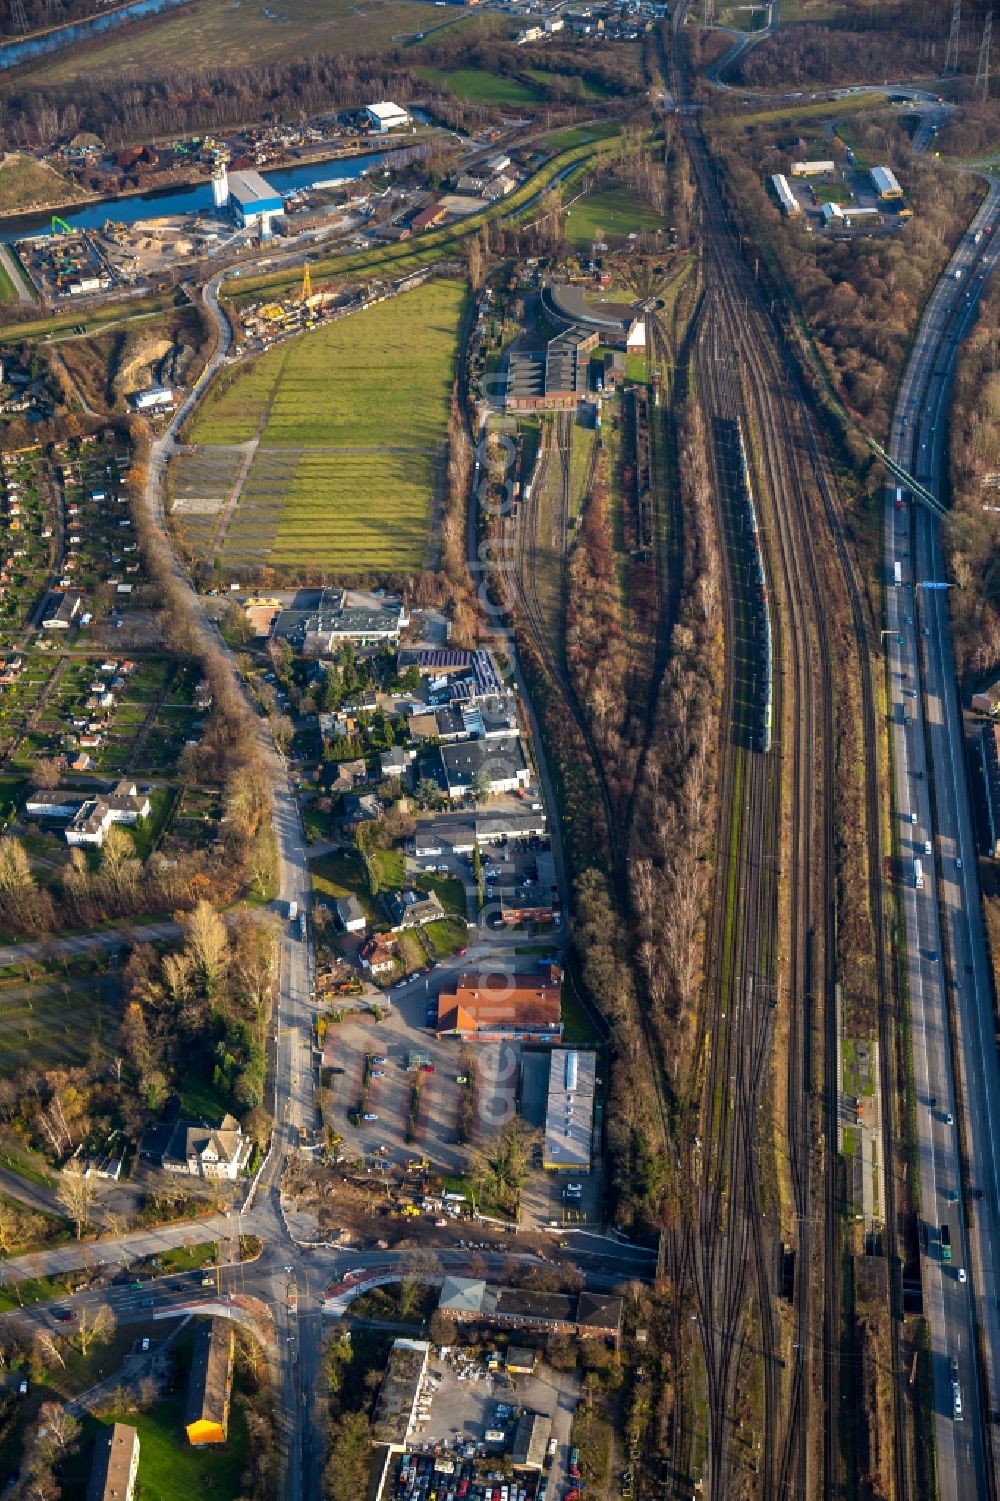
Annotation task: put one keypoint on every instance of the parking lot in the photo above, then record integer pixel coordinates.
(390, 1085)
(467, 1401)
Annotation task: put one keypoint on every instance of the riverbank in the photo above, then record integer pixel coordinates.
(183, 179)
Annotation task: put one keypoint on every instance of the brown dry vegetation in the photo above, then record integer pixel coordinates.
(970, 532)
(674, 820)
(860, 297)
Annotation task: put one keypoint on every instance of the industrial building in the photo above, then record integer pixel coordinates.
(154, 399)
(399, 1395)
(206, 1420)
(499, 762)
(115, 1464)
(812, 169)
(386, 116)
(587, 1315)
(990, 749)
(569, 1111)
(503, 1007)
(786, 198)
(254, 202)
(885, 184)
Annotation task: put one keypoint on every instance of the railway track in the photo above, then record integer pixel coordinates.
(803, 720)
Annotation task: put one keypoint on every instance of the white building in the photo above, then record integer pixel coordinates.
(885, 183)
(787, 199)
(569, 1112)
(155, 399)
(386, 116)
(811, 169)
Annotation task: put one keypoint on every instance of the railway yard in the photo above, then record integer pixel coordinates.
(490, 724)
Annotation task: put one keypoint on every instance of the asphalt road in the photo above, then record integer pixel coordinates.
(953, 1092)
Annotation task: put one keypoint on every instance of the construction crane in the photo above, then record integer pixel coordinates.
(307, 286)
(59, 226)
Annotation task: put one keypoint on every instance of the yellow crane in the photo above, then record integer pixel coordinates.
(307, 286)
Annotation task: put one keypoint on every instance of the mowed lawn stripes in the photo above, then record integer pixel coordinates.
(379, 381)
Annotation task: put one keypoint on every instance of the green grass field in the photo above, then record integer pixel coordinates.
(475, 86)
(169, 1469)
(346, 470)
(614, 211)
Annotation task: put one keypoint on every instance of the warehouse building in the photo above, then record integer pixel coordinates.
(153, 399)
(253, 201)
(885, 184)
(386, 116)
(811, 169)
(786, 198)
(569, 1111)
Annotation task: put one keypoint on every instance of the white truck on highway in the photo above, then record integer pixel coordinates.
(918, 875)
(293, 911)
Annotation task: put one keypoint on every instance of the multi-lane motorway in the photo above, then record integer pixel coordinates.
(957, 1080)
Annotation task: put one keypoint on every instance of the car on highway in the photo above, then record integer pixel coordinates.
(948, 1118)
(958, 862)
(377, 1058)
(961, 1275)
(22, 1386)
(378, 1073)
(370, 1115)
(952, 1196)
(64, 1315)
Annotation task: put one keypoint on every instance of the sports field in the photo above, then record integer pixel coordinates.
(350, 423)
(610, 214)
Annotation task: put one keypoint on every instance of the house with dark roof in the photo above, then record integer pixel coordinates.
(499, 761)
(588, 1315)
(206, 1419)
(196, 1149)
(115, 1464)
(412, 909)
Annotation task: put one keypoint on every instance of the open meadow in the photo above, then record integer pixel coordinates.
(350, 423)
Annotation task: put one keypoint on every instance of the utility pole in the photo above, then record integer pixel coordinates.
(983, 71)
(951, 54)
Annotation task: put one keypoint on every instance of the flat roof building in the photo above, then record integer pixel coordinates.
(811, 169)
(253, 200)
(386, 116)
(115, 1464)
(499, 762)
(569, 1112)
(885, 183)
(396, 1409)
(206, 1420)
(531, 1438)
(786, 198)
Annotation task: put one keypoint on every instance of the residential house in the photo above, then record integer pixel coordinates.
(61, 609)
(363, 809)
(199, 1150)
(377, 954)
(206, 1420)
(350, 915)
(94, 818)
(115, 1464)
(412, 909)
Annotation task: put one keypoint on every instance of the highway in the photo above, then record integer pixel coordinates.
(957, 1088)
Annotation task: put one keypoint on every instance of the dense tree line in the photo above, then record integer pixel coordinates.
(970, 532)
(863, 44)
(40, 14)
